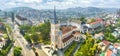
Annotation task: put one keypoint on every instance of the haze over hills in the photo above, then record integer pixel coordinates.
(64, 13)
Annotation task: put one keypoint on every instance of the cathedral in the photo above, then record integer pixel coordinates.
(63, 34)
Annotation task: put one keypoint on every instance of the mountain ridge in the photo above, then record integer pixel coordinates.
(64, 13)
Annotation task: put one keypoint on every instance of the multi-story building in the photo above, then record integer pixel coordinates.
(91, 27)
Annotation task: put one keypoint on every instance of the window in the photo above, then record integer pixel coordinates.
(64, 44)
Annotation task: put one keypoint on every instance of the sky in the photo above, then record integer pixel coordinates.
(60, 4)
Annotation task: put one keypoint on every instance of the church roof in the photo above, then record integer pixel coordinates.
(66, 29)
(67, 38)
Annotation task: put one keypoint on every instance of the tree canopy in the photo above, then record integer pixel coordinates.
(17, 51)
(40, 33)
(88, 48)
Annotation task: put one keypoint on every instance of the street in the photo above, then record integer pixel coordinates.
(20, 41)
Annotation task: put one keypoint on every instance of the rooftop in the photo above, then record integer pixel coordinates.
(98, 20)
(76, 32)
(99, 34)
(109, 53)
(66, 29)
(76, 21)
(67, 38)
(106, 42)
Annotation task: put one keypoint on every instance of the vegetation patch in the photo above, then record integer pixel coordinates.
(88, 48)
(34, 34)
(70, 49)
(6, 48)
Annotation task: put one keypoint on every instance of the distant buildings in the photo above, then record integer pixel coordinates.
(22, 21)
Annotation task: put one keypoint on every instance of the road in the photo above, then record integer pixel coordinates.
(20, 41)
(41, 52)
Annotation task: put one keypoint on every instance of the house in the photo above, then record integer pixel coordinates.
(116, 32)
(105, 42)
(109, 53)
(104, 45)
(99, 36)
(112, 50)
(98, 22)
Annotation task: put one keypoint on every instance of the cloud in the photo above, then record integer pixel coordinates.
(60, 4)
(28, 1)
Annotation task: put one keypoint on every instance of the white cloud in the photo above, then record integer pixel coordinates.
(29, 1)
(61, 4)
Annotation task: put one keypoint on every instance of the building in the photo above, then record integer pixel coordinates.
(116, 32)
(63, 34)
(97, 25)
(23, 21)
(99, 36)
(104, 44)
(2, 41)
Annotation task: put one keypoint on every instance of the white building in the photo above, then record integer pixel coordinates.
(99, 36)
(94, 26)
(116, 32)
(2, 41)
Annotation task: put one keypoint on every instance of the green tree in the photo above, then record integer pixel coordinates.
(92, 20)
(27, 37)
(83, 19)
(17, 51)
(35, 37)
(88, 48)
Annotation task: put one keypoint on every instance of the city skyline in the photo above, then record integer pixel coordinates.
(60, 4)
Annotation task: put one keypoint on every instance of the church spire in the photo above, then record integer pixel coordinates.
(55, 17)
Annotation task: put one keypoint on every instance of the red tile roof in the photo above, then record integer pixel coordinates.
(66, 29)
(97, 21)
(94, 22)
(106, 42)
(67, 38)
(109, 53)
